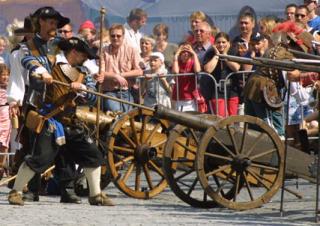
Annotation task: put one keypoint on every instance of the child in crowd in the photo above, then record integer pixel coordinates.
(5, 128)
(157, 87)
(184, 90)
(242, 50)
(258, 45)
(4, 53)
(220, 69)
(309, 127)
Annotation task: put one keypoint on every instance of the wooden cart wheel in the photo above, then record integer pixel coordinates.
(135, 151)
(179, 165)
(244, 153)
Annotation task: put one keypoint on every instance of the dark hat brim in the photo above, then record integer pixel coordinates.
(22, 31)
(62, 20)
(79, 45)
(26, 29)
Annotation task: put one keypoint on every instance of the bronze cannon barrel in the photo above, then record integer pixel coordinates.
(185, 119)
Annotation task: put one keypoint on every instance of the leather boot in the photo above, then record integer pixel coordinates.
(100, 200)
(68, 196)
(31, 196)
(15, 198)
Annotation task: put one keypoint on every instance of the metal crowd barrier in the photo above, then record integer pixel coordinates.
(221, 85)
(225, 82)
(196, 75)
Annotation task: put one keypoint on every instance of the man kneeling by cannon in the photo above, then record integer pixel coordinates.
(53, 119)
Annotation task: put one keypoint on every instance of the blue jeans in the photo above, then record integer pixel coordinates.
(111, 105)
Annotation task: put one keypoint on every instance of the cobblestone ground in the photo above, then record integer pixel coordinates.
(165, 209)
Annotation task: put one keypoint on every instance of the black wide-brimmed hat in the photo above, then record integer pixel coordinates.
(79, 45)
(27, 27)
(50, 12)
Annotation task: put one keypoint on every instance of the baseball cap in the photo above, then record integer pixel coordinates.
(157, 55)
(257, 37)
(88, 24)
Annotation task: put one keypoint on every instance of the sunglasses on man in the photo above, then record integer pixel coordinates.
(115, 36)
(300, 15)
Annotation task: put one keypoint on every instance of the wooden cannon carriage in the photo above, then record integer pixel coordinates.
(238, 161)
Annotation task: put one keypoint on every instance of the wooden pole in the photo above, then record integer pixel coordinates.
(106, 96)
(98, 94)
(15, 176)
(283, 187)
(102, 15)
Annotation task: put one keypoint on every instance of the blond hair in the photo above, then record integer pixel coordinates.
(198, 15)
(269, 22)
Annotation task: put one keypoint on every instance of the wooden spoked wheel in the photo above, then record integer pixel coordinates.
(242, 153)
(135, 151)
(179, 165)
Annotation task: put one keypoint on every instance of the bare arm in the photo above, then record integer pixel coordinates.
(132, 73)
(166, 85)
(211, 65)
(196, 65)
(233, 66)
(112, 76)
(247, 67)
(175, 63)
(175, 66)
